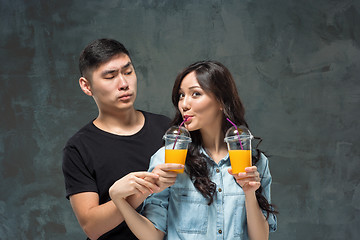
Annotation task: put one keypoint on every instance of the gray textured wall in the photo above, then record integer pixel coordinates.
(296, 63)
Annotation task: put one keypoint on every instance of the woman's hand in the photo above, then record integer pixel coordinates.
(166, 177)
(134, 183)
(249, 180)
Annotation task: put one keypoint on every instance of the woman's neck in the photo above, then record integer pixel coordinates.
(213, 142)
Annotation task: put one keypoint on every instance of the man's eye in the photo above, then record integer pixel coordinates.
(128, 73)
(109, 77)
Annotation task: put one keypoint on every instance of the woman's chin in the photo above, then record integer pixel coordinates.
(191, 128)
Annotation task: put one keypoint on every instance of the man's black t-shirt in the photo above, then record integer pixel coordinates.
(94, 159)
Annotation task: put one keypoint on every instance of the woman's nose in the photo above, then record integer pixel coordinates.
(185, 104)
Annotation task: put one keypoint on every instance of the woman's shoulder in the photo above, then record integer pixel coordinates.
(157, 158)
(262, 164)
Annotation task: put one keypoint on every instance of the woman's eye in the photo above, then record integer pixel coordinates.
(196, 94)
(181, 95)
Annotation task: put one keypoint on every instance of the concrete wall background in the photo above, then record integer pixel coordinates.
(297, 67)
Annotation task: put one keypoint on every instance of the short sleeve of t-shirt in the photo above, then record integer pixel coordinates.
(77, 174)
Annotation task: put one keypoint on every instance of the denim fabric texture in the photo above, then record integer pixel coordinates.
(181, 212)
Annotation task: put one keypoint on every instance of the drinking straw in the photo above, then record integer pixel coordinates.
(237, 131)
(187, 118)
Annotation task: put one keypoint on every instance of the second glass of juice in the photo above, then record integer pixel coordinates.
(177, 140)
(238, 141)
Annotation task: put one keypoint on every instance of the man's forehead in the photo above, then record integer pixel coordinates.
(115, 63)
(120, 60)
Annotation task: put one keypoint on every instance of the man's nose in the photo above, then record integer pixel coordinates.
(123, 83)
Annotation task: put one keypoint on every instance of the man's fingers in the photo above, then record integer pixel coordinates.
(146, 174)
(146, 184)
(142, 189)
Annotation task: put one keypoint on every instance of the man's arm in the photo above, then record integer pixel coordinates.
(96, 219)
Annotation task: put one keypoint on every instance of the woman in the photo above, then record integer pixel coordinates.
(207, 201)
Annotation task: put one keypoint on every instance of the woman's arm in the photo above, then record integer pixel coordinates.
(95, 219)
(258, 226)
(138, 224)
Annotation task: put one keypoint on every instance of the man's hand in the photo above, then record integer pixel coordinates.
(134, 183)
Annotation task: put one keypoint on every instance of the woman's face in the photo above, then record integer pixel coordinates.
(202, 108)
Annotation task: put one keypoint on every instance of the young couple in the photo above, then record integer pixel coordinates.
(105, 162)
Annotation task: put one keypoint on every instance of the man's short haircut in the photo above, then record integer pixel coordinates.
(99, 52)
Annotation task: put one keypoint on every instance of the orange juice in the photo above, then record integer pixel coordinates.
(176, 156)
(240, 159)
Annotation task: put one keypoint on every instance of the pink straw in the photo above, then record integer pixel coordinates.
(187, 118)
(237, 131)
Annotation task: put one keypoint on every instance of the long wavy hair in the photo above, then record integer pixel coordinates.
(214, 78)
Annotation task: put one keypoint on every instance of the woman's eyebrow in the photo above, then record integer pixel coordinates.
(192, 87)
(196, 86)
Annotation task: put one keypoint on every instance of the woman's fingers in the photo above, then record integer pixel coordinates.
(167, 180)
(248, 180)
(170, 166)
(250, 174)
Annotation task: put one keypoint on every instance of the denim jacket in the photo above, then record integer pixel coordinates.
(181, 212)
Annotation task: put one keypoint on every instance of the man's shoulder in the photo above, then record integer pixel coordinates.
(155, 117)
(81, 133)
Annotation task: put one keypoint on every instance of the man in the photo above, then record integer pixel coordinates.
(116, 145)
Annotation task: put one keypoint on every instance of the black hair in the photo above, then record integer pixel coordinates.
(215, 78)
(98, 52)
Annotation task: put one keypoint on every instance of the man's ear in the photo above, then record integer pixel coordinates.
(85, 86)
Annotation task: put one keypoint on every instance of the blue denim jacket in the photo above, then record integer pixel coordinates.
(181, 212)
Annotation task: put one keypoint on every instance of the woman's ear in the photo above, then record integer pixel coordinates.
(221, 106)
(85, 86)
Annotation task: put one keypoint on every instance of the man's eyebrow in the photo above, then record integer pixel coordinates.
(106, 72)
(126, 65)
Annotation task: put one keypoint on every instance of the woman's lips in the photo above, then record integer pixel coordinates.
(187, 118)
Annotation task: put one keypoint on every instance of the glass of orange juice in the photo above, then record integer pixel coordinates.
(238, 140)
(177, 140)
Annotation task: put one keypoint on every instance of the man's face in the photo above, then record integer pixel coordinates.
(113, 84)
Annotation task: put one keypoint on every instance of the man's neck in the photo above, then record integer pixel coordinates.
(127, 122)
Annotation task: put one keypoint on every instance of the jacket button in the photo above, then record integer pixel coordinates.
(220, 231)
(217, 170)
(220, 190)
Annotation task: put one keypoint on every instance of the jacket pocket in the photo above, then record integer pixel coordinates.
(191, 211)
(240, 221)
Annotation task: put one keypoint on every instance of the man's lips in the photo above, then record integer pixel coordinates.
(125, 96)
